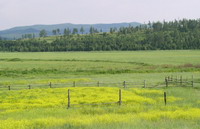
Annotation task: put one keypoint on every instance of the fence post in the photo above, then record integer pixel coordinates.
(74, 84)
(192, 81)
(144, 83)
(124, 84)
(29, 86)
(9, 88)
(166, 81)
(98, 83)
(181, 80)
(165, 98)
(68, 98)
(50, 85)
(120, 97)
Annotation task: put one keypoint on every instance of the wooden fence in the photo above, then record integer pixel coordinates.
(169, 81)
(123, 84)
(119, 102)
(180, 81)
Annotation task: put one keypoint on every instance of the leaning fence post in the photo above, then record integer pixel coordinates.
(120, 97)
(68, 98)
(144, 83)
(29, 86)
(166, 81)
(50, 85)
(165, 98)
(98, 83)
(124, 84)
(9, 88)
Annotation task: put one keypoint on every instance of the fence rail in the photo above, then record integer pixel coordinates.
(168, 81)
(181, 81)
(123, 84)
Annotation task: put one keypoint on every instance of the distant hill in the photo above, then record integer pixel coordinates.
(17, 32)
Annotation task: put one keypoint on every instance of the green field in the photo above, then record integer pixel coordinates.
(141, 108)
(98, 66)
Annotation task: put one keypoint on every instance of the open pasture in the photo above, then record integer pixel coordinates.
(173, 57)
(153, 66)
(141, 108)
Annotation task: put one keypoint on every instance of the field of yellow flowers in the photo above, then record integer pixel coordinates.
(141, 108)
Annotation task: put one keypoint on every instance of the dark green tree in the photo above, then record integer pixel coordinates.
(67, 32)
(75, 31)
(82, 30)
(43, 33)
(58, 31)
(54, 32)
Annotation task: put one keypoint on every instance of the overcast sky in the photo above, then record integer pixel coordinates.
(29, 12)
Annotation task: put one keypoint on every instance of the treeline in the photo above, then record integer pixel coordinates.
(178, 34)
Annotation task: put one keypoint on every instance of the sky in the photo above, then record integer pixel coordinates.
(30, 12)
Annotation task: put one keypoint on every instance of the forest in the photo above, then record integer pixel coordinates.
(166, 35)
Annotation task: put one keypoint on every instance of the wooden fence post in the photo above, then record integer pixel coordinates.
(144, 83)
(74, 84)
(29, 86)
(124, 84)
(9, 88)
(68, 99)
(165, 98)
(50, 85)
(192, 81)
(181, 80)
(120, 97)
(98, 84)
(166, 81)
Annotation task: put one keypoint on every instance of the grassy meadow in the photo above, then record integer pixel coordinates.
(97, 66)
(46, 108)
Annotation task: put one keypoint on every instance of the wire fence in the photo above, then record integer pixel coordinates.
(168, 81)
(123, 84)
(118, 102)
